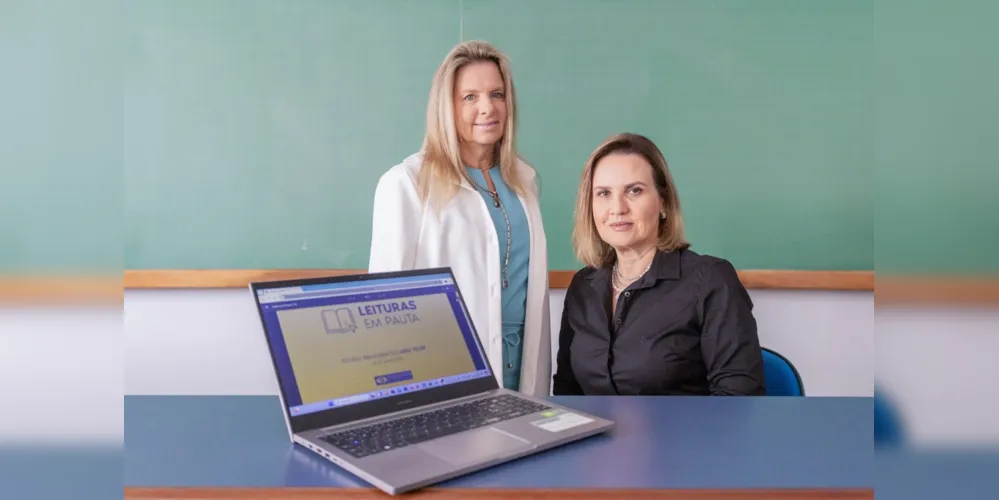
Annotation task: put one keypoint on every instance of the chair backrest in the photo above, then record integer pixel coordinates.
(888, 431)
(781, 377)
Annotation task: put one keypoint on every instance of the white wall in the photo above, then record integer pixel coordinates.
(61, 376)
(210, 341)
(938, 364)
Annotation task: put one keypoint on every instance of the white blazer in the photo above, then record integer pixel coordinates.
(406, 236)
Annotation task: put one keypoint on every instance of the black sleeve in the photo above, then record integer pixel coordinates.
(730, 345)
(564, 381)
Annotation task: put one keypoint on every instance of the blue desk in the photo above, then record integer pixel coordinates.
(228, 446)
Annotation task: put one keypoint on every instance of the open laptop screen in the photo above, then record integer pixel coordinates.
(343, 343)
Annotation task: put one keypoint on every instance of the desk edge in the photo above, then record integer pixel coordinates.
(143, 493)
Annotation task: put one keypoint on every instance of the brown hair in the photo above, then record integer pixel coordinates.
(593, 251)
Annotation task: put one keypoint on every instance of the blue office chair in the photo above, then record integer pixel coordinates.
(781, 376)
(888, 432)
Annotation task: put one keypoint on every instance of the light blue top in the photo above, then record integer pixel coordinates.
(514, 296)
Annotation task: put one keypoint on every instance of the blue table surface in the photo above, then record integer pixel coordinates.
(658, 442)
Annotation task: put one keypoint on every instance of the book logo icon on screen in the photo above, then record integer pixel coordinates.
(340, 320)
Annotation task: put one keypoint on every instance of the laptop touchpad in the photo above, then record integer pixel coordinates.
(475, 446)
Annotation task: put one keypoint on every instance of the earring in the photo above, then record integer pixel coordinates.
(662, 215)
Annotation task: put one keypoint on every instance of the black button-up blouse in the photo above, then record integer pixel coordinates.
(686, 328)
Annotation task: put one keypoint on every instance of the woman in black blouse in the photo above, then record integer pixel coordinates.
(647, 315)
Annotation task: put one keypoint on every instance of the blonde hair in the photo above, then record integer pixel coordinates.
(442, 168)
(593, 251)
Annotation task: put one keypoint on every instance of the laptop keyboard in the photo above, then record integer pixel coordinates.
(385, 436)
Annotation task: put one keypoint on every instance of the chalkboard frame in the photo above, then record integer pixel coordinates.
(109, 291)
(235, 278)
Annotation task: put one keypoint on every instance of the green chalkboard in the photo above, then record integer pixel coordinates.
(255, 131)
(226, 134)
(60, 136)
(937, 154)
(763, 110)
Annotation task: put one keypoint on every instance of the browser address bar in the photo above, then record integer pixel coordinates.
(364, 289)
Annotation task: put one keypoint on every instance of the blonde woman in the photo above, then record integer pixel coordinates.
(466, 200)
(648, 315)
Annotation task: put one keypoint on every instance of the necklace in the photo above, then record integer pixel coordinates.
(497, 204)
(494, 194)
(617, 279)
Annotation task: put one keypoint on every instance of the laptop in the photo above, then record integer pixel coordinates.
(384, 375)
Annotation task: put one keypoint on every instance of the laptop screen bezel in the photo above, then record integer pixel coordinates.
(378, 407)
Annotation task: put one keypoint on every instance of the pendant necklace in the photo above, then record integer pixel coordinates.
(497, 204)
